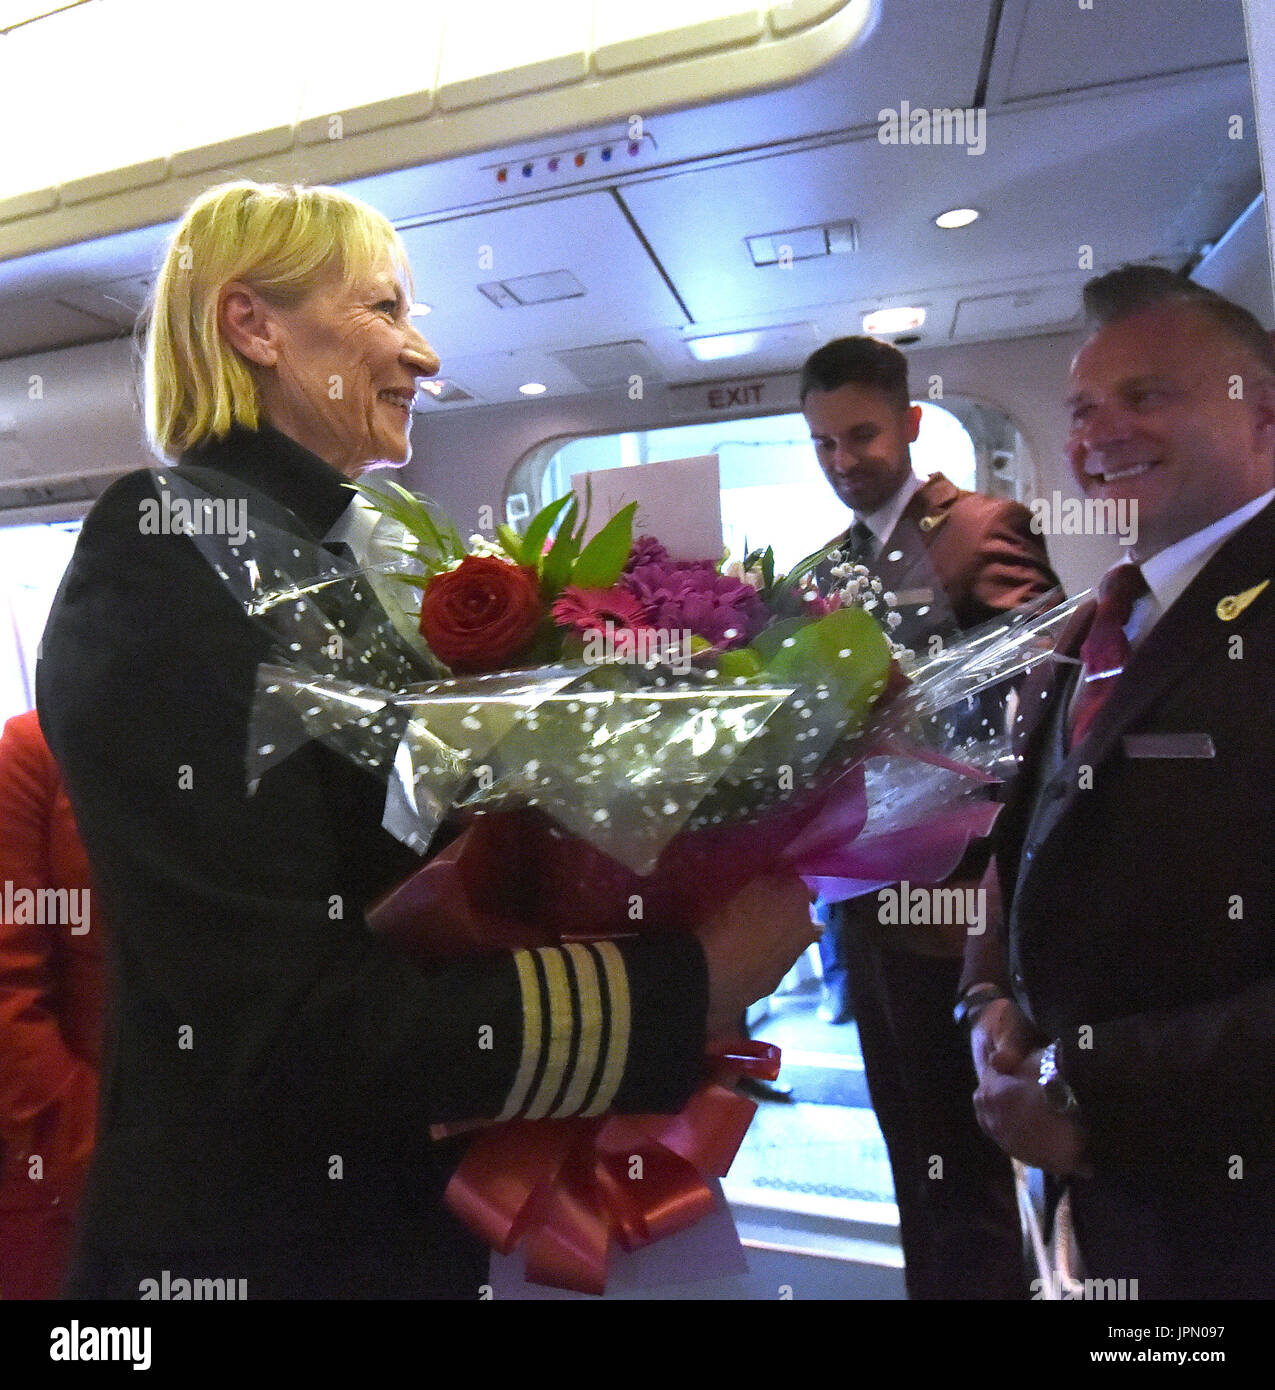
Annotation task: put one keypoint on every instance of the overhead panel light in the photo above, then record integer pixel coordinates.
(533, 388)
(785, 340)
(882, 322)
(719, 345)
(956, 217)
(418, 311)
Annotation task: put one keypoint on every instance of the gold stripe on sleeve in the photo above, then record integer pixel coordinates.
(560, 1031)
(532, 1029)
(588, 1048)
(617, 1041)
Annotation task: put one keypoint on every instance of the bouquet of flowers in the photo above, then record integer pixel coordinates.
(618, 742)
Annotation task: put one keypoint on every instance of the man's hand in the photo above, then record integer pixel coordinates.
(751, 944)
(1001, 1038)
(1013, 1111)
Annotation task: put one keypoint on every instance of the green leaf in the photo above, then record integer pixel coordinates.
(588, 506)
(511, 543)
(416, 516)
(741, 661)
(556, 568)
(768, 568)
(417, 581)
(533, 542)
(603, 558)
(845, 650)
(809, 564)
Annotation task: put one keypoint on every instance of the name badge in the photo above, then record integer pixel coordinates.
(908, 597)
(1168, 746)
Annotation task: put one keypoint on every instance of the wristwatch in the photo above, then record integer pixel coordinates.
(1060, 1098)
(974, 1001)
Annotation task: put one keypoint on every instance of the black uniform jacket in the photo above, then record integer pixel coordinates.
(273, 1069)
(1136, 874)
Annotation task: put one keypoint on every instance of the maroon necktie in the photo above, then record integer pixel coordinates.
(1106, 649)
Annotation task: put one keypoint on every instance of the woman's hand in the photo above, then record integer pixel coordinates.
(751, 944)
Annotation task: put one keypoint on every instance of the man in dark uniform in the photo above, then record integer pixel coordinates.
(952, 559)
(1129, 1050)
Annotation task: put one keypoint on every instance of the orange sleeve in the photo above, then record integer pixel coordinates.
(48, 1095)
(1013, 566)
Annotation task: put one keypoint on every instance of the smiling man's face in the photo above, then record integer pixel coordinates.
(1155, 419)
(862, 440)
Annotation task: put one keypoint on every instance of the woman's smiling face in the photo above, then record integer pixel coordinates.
(339, 368)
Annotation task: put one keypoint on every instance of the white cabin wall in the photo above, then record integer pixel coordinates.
(464, 457)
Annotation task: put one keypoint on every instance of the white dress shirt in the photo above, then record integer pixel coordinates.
(883, 521)
(1170, 571)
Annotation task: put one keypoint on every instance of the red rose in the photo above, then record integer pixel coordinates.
(482, 613)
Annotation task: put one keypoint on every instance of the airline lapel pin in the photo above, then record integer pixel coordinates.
(1233, 605)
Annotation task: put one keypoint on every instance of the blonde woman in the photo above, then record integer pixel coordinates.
(275, 1070)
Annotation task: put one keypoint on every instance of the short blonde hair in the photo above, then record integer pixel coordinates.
(282, 240)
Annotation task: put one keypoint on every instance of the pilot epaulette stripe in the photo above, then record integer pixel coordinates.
(617, 1036)
(588, 1050)
(532, 1033)
(558, 1035)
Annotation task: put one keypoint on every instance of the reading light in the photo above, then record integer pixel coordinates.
(718, 345)
(418, 311)
(956, 217)
(884, 321)
(533, 388)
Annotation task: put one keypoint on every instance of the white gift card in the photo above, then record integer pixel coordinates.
(679, 503)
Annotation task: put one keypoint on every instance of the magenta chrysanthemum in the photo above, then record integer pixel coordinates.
(589, 610)
(692, 594)
(646, 551)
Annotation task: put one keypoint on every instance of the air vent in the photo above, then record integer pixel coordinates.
(609, 364)
(533, 289)
(804, 243)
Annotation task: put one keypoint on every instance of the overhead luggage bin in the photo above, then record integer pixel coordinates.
(144, 110)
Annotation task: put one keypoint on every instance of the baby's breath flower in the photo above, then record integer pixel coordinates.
(484, 545)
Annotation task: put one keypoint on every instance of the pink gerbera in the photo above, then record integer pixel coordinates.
(590, 610)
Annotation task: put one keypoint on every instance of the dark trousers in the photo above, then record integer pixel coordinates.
(958, 1217)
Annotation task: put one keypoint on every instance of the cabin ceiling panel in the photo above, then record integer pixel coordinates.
(427, 88)
(914, 49)
(1044, 184)
(1045, 47)
(586, 235)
